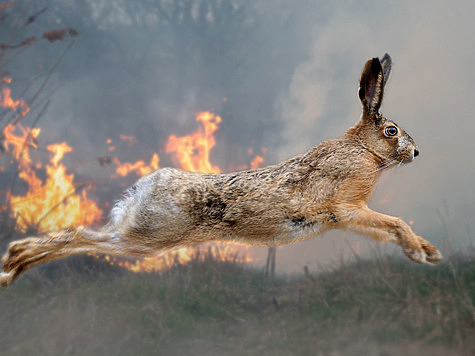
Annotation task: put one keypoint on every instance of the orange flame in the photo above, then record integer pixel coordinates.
(217, 251)
(192, 151)
(50, 204)
(7, 102)
(257, 161)
(138, 167)
(20, 143)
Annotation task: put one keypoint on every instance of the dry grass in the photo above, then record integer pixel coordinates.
(385, 307)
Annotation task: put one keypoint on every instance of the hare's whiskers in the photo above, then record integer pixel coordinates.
(385, 166)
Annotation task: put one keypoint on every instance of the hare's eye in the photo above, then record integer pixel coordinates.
(390, 131)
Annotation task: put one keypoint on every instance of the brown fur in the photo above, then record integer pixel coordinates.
(327, 187)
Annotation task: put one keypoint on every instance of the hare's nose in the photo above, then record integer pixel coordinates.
(416, 152)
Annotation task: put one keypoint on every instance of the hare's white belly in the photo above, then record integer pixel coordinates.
(296, 232)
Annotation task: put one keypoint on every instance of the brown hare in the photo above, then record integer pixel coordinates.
(326, 188)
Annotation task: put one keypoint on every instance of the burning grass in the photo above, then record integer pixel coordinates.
(210, 307)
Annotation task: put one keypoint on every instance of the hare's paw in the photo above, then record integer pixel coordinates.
(421, 251)
(6, 278)
(18, 252)
(433, 255)
(415, 254)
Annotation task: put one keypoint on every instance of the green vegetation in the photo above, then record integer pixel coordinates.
(384, 307)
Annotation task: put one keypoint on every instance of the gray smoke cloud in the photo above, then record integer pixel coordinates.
(283, 75)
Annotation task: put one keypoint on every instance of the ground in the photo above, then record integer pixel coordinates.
(382, 306)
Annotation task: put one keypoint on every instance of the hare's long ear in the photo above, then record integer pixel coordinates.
(371, 86)
(386, 64)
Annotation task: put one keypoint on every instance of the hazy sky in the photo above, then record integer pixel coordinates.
(289, 72)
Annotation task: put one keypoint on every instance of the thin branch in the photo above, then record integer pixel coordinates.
(46, 79)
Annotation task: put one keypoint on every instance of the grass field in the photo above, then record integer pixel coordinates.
(368, 307)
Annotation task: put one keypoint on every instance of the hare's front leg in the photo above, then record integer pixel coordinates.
(383, 227)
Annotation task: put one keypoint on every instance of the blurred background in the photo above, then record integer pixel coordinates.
(96, 93)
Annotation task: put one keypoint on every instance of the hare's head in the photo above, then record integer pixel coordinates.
(386, 140)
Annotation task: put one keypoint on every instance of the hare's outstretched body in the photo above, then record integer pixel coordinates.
(325, 188)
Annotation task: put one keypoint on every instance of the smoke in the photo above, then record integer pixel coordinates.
(283, 75)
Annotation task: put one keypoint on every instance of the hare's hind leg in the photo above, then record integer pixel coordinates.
(33, 251)
(388, 228)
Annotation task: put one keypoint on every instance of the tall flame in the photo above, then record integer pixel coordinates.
(192, 151)
(48, 204)
(53, 203)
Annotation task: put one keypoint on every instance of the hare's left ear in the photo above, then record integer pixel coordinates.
(373, 78)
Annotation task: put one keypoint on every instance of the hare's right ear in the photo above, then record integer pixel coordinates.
(386, 64)
(372, 86)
